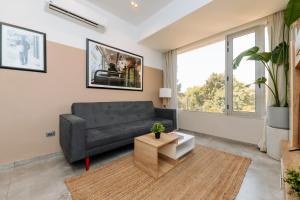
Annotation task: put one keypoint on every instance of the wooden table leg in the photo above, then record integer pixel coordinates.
(146, 158)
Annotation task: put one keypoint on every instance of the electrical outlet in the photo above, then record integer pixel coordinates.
(50, 134)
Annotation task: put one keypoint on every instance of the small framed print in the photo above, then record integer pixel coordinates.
(22, 48)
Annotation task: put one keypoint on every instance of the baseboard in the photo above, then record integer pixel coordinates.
(223, 138)
(6, 166)
(28, 161)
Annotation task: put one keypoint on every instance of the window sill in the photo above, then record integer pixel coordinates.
(235, 115)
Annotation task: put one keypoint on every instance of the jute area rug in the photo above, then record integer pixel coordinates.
(206, 174)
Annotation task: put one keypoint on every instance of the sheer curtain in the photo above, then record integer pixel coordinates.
(170, 76)
(275, 27)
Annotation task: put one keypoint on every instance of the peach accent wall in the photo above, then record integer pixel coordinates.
(31, 102)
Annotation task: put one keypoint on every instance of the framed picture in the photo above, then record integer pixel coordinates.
(22, 48)
(112, 68)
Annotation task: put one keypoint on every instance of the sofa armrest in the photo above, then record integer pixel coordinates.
(72, 137)
(167, 114)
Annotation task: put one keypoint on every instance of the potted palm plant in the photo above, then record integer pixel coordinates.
(157, 129)
(278, 113)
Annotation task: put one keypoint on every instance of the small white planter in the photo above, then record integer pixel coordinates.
(274, 138)
(278, 117)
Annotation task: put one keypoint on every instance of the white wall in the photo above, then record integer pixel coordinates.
(32, 14)
(241, 129)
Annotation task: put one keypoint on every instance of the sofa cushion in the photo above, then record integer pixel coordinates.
(114, 133)
(110, 113)
(100, 137)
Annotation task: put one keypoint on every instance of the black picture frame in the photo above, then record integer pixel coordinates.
(94, 86)
(44, 49)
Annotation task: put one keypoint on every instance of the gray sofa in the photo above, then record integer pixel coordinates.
(94, 128)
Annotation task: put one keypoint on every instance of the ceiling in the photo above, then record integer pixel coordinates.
(124, 10)
(213, 18)
(169, 24)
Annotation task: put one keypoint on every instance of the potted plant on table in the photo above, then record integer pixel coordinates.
(157, 129)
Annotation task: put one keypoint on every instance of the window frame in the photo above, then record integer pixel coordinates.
(259, 72)
(228, 72)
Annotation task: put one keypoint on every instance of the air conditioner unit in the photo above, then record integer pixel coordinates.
(77, 12)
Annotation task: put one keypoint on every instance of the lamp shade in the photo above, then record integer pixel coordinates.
(165, 93)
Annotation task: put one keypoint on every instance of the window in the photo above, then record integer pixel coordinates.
(201, 83)
(208, 83)
(244, 97)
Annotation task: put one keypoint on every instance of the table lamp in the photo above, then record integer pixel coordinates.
(165, 93)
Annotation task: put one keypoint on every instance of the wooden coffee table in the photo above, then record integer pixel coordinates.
(148, 156)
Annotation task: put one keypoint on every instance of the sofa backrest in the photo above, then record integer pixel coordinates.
(100, 114)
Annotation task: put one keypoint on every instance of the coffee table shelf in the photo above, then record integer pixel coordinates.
(184, 145)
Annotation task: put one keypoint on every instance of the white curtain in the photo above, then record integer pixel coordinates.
(275, 27)
(170, 77)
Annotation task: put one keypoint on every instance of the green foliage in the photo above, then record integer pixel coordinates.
(278, 57)
(157, 127)
(260, 81)
(280, 53)
(292, 12)
(261, 56)
(292, 177)
(210, 97)
(247, 53)
(243, 97)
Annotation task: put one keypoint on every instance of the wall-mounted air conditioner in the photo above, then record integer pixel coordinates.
(77, 13)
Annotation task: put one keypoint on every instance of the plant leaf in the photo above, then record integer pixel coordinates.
(279, 53)
(292, 12)
(263, 56)
(239, 58)
(261, 80)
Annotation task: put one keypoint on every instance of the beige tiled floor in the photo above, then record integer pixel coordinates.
(44, 180)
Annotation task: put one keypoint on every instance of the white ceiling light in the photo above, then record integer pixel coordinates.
(134, 3)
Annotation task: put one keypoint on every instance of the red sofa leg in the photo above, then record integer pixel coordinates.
(87, 163)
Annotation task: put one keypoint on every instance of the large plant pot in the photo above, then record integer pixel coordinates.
(278, 117)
